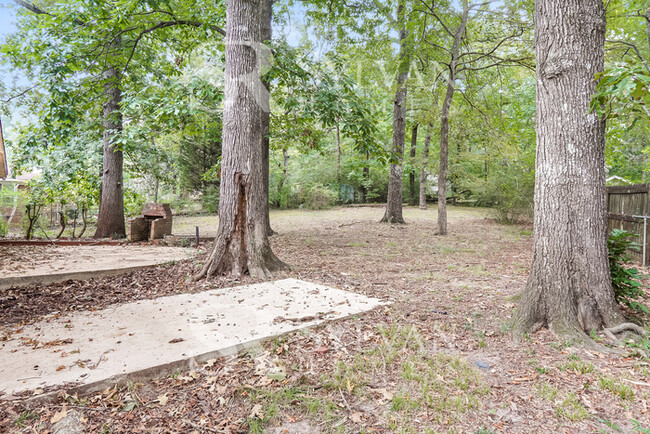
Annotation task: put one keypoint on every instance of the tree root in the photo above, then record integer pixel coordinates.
(610, 332)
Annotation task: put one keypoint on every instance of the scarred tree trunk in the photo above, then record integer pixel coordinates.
(444, 123)
(414, 144)
(110, 220)
(423, 172)
(569, 288)
(393, 212)
(242, 244)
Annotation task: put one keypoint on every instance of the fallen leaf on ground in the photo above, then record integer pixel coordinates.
(256, 412)
(59, 414)
(163, 399)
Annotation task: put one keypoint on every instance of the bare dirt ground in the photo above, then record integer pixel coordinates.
(441, 358)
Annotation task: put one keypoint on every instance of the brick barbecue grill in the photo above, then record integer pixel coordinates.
(154, 223)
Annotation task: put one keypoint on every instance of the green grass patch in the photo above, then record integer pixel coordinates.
(618, 388)
(571, 409)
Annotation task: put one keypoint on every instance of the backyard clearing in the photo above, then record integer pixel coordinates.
(440, 358)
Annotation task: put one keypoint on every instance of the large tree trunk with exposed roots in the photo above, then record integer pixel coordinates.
(110, 220)
(242, 244)
(393, 213)
(569, 288)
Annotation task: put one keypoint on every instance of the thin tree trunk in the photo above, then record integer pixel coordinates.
(414, 145)
(155, 193)
(156, 178)
(110, 221)
(62, 223)
(444, 122)
(393, 212)
(267, 35)
(365, 175)
(283, 177)
(242, 244)
(74, 222)
(338, 154)
(423, 171)
(569, 287)
(84, 219)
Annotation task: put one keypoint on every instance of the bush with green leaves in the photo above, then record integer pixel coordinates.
(320, 197)
(4, 227)
(509, 192)
(626, 280)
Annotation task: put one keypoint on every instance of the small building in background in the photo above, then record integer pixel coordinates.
(617, 180)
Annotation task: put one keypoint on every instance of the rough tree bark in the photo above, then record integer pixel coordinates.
(444, 122)
(393, 212)
(110, 220)
(242, 244)
(267, 35)
(569, 288)
(414, 144)
(423, 171)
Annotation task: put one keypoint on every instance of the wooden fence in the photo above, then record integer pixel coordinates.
(623, 204)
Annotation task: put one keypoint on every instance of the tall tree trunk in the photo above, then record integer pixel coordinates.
(242, 244)
(156, 185)
(414, 145)
(365, 176)
(283, 177)
(393, 212)
(444, 122)
(110, 221)
(338, 154)
(423, 171)
(569, 288)
(267, 35)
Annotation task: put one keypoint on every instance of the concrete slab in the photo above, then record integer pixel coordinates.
(61, 263)
(88, 350)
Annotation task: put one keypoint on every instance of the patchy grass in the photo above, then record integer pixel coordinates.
(618, 388)
(577, 366)
(570, 409)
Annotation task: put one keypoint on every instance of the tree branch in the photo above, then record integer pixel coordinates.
(431, 11)
(21, 93)
(165, 24)
(32, 8)
(633, 47)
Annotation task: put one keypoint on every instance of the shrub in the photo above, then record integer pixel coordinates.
(320, 197)
(508, 193)
(4, 227)
(210, 199)
(133, 202)
(626, 281)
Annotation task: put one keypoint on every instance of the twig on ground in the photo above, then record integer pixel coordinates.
(345, 401)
